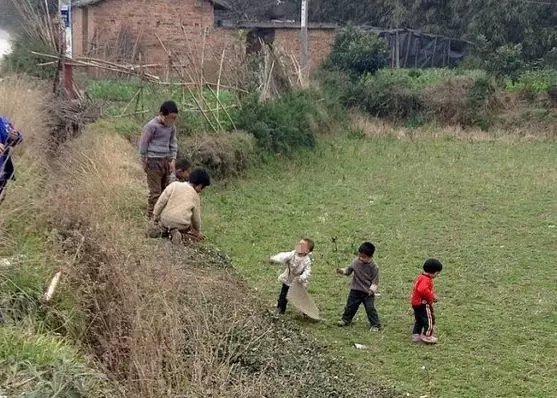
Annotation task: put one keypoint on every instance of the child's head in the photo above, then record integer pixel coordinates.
(304, 247)
(433, 266)
(168, 113)
(183, 169)
(366, 251)
(199, 179)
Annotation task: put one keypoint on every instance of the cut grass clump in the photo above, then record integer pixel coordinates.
(223, 155)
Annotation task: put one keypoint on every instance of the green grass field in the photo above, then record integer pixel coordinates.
(487, 209)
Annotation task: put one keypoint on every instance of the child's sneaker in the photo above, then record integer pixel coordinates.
(176, 237)
(429, 339)
(375, 329)
(416, 338)
(342, 323)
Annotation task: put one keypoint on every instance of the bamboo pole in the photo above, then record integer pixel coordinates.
(219, 76)
(189, 91)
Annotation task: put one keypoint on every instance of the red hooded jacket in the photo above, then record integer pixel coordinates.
(423, 290)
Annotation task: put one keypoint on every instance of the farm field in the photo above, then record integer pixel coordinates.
(486, 208)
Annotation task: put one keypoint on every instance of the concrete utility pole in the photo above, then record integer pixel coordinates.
(304, 50)
(65, 13)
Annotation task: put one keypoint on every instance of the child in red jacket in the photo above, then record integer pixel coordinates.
(422, 301)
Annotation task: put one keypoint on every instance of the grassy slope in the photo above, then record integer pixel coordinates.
(179, 317)
(487, 209)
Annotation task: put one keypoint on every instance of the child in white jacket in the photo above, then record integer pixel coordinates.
(298, 269)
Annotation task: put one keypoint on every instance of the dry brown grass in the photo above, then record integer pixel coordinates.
(155, 322)
(161, 321)
(23, 102)
(166, 321)
(448, 102)
(375, 127)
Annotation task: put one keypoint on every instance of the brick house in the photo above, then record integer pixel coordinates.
(129, 29)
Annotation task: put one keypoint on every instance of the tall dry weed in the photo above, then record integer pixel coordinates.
(24, 102)
(155, 324)
(368, 126)
(166, 321)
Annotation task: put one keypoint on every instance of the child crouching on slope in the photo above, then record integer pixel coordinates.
(298, 269)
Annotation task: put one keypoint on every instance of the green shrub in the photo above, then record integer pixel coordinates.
(478, 103)
(413, 97)
(283, 125)
(357, 51)
(507, 60)
(21, 60)
(390, 94)
(531, 83)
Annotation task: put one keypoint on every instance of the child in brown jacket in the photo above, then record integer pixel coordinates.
(363, 287)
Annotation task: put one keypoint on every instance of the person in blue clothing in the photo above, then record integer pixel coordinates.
(9, 138)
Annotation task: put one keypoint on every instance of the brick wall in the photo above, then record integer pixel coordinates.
(98, 28)
(142, 21)
(320, 42)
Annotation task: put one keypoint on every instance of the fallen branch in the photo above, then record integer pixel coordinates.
(56, 279)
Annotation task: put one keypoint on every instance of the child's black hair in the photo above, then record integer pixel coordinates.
(183, 164)
(432, 266)
(200, 176)
(367, 248)
(168, 107)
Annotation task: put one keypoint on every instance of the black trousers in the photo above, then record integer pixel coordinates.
(282, 301)
(355, 298)
(425, 319)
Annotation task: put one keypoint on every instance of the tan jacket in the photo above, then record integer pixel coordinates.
(179, 207)
(297, 268)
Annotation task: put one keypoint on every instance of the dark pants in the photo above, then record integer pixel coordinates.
(425, 319)
(7, 173)
(282, 301)
(158, 173)
(3, 184)
(355, 298)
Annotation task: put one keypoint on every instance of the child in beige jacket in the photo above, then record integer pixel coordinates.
(298, 269)
(178, 210)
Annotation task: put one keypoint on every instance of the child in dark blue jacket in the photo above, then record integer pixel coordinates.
(9, 138)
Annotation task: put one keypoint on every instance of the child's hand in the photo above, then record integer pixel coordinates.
(435, 299)
(2, 147)
(340, 271)
(13, 134)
